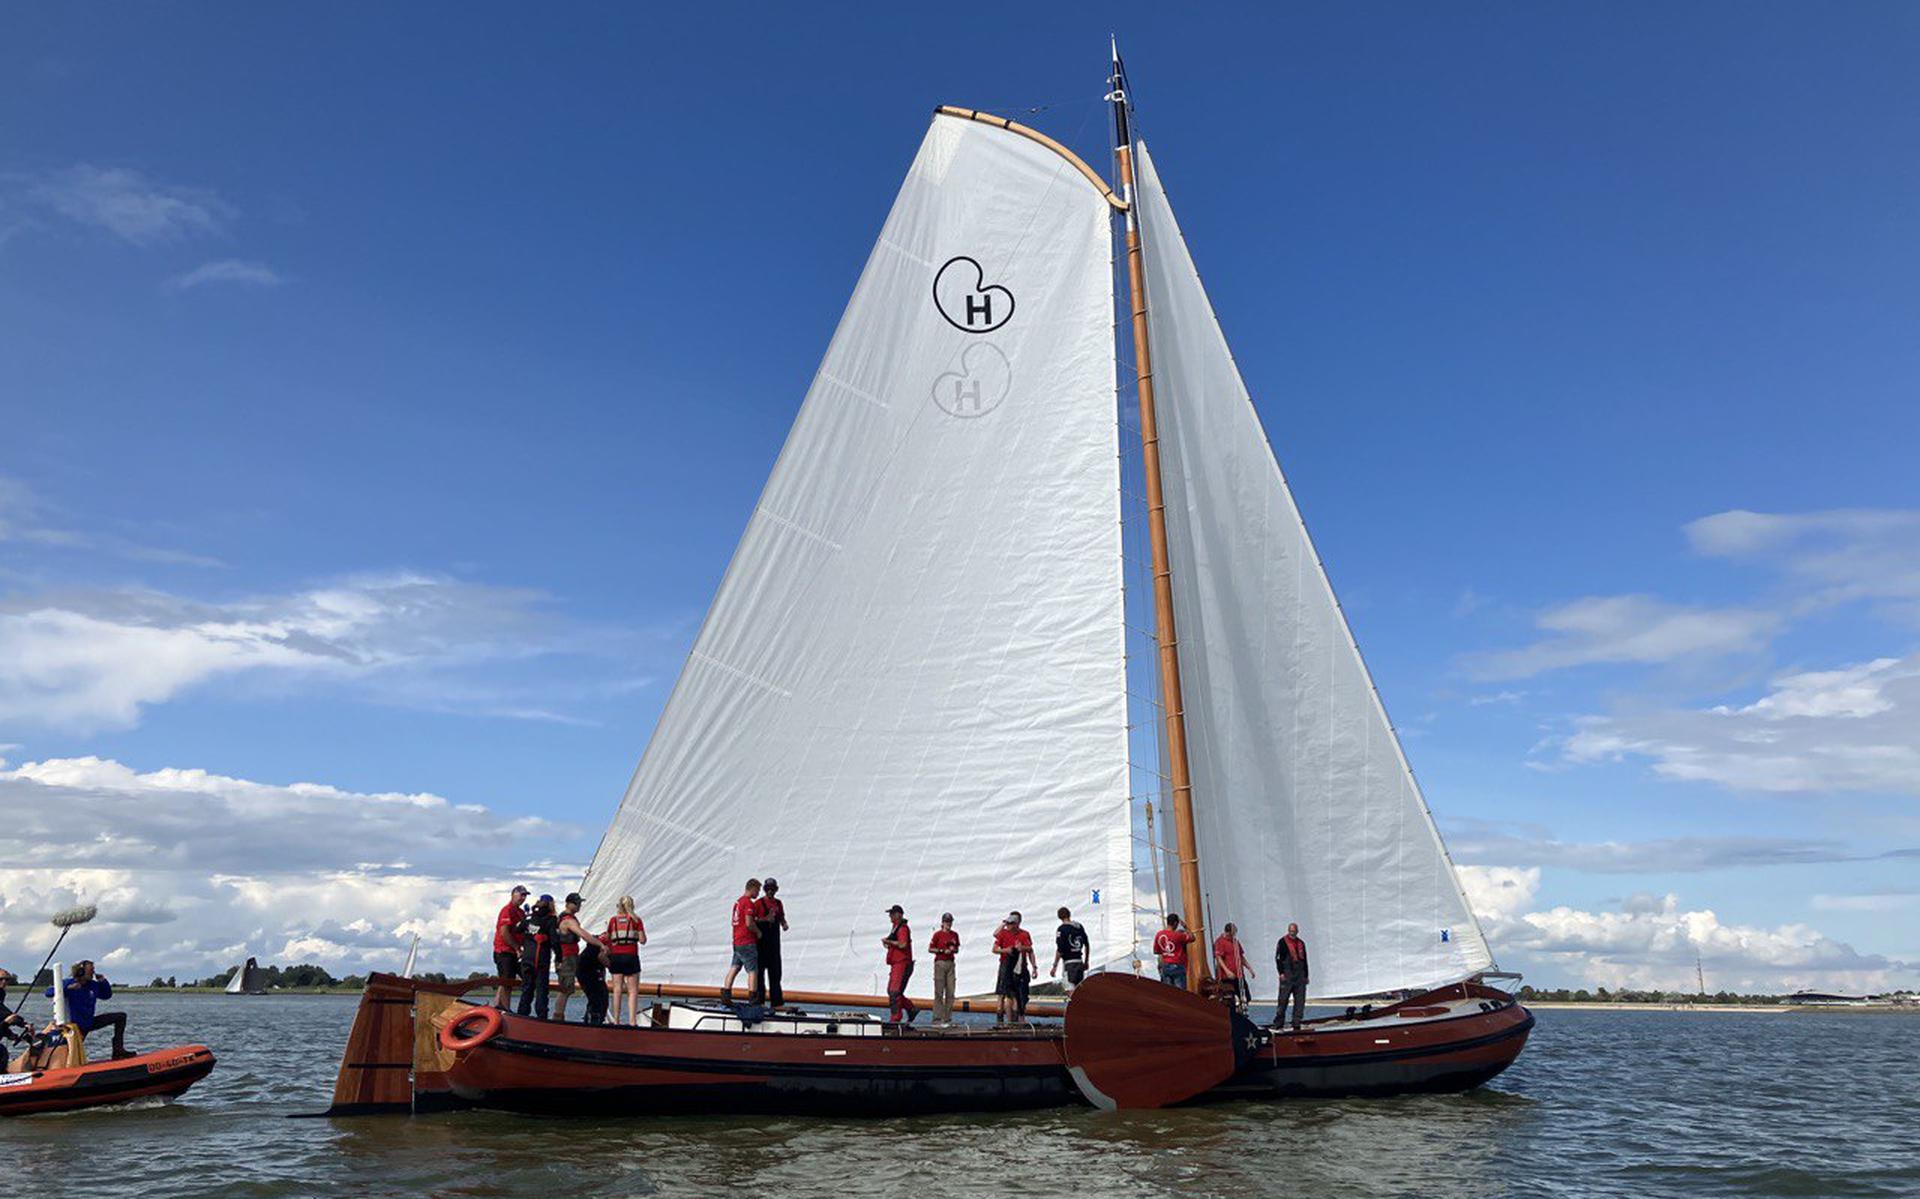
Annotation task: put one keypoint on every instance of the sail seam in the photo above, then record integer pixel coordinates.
(790, 524)
(742, 675)
(864, 394)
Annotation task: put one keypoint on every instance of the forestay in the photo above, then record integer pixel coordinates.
(909, 685)
(1305, 808)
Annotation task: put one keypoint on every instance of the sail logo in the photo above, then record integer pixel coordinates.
(970, 304)
(983, 379)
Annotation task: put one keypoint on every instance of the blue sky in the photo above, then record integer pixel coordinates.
(382, 395)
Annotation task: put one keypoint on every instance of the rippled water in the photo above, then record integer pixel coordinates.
(1601, 1103)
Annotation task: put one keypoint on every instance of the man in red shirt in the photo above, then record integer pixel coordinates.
(943, 944)
(1170, 946)
(1230, 963)
(746, 944)
(509, 929)
(770, 915)
(1014, 947)
(899, 947)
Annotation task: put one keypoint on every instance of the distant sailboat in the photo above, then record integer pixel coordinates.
(912, 686)
(248, 979)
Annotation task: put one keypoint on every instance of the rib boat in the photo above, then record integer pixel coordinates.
(970, 655)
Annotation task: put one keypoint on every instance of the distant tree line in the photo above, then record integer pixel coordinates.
(1603, 995)
(305, 975)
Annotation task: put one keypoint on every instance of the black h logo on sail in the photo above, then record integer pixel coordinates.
(965, 298)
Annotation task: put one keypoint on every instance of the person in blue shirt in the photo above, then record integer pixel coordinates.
(85, 989)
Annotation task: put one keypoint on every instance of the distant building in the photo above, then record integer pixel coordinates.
(1822, 999)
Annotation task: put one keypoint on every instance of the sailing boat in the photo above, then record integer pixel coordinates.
(248, 979)
(912, 686)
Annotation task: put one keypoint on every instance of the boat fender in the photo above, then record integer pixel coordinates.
(475, 1028)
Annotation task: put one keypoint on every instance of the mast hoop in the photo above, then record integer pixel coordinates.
(1034, 135)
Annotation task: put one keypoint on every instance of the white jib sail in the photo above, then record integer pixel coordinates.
(1304, 805)
(237, 985)
(909, 687)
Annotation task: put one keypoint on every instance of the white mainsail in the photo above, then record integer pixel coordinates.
(909, 687)
(1304, 806)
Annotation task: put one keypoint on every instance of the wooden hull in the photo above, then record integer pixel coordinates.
(536, 1066)
(1452, 1039)
(163, 1073)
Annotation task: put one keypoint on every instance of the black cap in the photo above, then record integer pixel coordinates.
(575, 897)
(896, 908)
(772, 884)
(520, 890)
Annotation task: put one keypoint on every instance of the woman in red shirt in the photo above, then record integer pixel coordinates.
(624, 937)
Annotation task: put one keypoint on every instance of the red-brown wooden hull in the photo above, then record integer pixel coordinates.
(534, 1065)
(1417, 1054)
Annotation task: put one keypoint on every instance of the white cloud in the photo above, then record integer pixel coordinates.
(26, 518)
(1629, 629)
(227, 270)
(1481, 842)
(1856, 728)
(94, 659)
(1828, 557)
(1883, 901)
(191, 868)
(1652, 943)
(128, 204)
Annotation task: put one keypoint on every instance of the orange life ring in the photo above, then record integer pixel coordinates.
(454, 1040)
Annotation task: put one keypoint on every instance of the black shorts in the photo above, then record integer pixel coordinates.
(1076, 971)
(506, 965)
(1013, 983)
(621, 963)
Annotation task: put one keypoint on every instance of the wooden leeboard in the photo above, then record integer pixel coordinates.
(1132, 1043)
(375, 1070)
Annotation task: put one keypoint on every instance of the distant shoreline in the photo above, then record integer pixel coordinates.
(1876, 1009)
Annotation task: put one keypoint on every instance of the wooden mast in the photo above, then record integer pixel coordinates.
(1186, 844)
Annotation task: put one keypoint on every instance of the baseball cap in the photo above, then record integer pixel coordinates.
(519, 890)
(896, 908)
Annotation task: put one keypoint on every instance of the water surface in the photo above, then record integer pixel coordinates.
(1600, 1104)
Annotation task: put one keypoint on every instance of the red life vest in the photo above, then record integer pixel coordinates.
(623, 935)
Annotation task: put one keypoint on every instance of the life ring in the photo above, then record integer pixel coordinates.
(454, 1039)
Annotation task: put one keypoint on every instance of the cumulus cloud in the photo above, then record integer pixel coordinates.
(94, 659)
(1856, 728)
(1637, 629)
(227, 270)
(190, 869)
(1651, 942)
(126, 203)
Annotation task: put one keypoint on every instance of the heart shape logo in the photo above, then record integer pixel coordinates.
(983, 380)
(970, 304)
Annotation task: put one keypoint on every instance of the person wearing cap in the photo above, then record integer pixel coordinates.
(899, 946)
(509, 929)
(1014, 947)
(1231, 967)
(943, 944)
(746, 944)
(771, 916)
(578, 958)
(536, 958)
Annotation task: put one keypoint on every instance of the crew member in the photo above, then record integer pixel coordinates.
(1069, 950)
(9, 1022)
(1290, 959)
(509, 931)
(771, 917)
(899, 946)
(746, 944)
(1014, 947)
(943, 944)
(624, 937)
(579, 960)
(85, 989)
(1230, 965)
(1170, 946)
(537, 958)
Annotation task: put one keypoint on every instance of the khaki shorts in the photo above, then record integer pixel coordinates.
(565, 969)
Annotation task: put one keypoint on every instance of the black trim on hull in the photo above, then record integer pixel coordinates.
(101, 1087)
(781, 1087)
